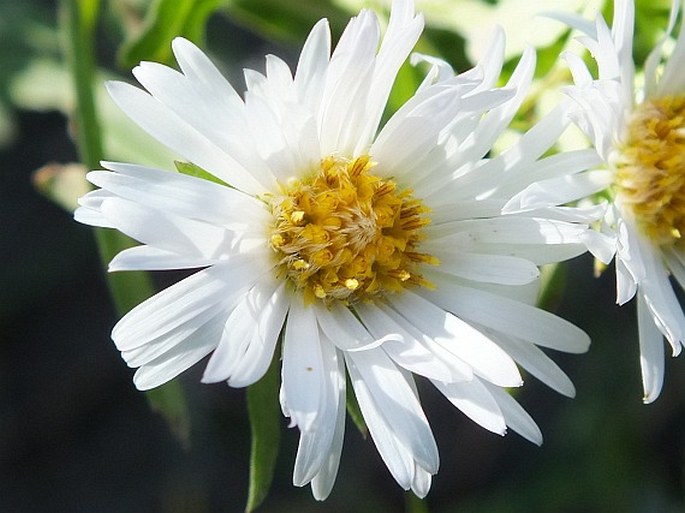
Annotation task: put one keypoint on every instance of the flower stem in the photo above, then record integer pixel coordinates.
(78, 20)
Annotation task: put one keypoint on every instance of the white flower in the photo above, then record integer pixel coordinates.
(382, 255)
(638, 132)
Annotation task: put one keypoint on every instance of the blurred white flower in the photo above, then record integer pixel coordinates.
(639, 134)
(380, 253)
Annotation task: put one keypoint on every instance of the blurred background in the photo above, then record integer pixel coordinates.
(75, 435)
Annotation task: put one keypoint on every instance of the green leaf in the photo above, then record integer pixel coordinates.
(265, 421)
(190, 169)
(165, 20)
(415, 504)
(354, 411)
(552, 285)
(286, 21)
(170, 402)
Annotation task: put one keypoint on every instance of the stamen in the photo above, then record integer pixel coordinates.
(344, 234)
(650, 169)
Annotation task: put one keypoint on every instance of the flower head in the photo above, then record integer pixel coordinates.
(638, 134)
(380, 254)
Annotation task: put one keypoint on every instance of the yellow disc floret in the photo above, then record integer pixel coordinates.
(344, 234)
(650, 169)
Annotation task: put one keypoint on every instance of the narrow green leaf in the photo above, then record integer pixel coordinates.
(78, 20)
(353, 410)
(552, 284)
(170, 402)
(165, 20)
(189, 169)
(414, 504)
(265, 421)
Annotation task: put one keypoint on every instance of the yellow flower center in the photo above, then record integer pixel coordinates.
(345, 234)
(650, 170)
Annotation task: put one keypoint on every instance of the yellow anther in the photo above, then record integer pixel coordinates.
(300, 265)
(319, 291)
(352, 284)
(277, 240)
(297, 216)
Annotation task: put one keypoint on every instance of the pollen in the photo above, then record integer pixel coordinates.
(650, 169)
(343, 234)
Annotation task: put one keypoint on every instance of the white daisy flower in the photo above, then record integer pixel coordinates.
(638, 132)
(377, 253)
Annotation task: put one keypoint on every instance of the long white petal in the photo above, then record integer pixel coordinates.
(303, 371)
(651, 352)
(460, 338)
(512, 317)
(396, 403)
(314, 449)
(476, 402)
(515, 416)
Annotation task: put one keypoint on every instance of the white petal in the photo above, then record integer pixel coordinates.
(485, 357)
(249, 335)
(476, 402)
(502, 269)
(182, 302)
(535, 361)
(651, 352)
(259, 353)
(168, 128)
(314, 449)
(516, 417)
(147, 258)
(396, 402)
(421, 483)
(512, 318)
(303, 368)
(343, 328)
(176, 360)
(405, 349)
(180, 235)
(313, 63)
(197, 67)
(323, 481)
(560, 190)
(181, 194)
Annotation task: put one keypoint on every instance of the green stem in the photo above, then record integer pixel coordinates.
(79, 23)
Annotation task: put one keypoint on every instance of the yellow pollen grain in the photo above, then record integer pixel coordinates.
(341, 233)
(650, 169)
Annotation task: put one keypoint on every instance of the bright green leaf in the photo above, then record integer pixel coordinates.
(189, 169)
(265, 421)
(165, 20)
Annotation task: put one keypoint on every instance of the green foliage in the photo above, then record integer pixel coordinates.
(190, 169)
(165, 20)
(286, 21)
(265, 421)
(353, 410)
(170, 402)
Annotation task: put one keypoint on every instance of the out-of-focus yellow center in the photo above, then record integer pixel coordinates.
(650, 169)
(344, 234)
